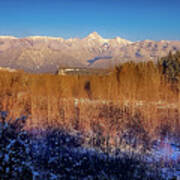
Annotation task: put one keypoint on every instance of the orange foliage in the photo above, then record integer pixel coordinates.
(77, 100)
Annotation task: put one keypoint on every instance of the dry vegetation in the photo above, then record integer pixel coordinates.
(80, 102)
(121, 115)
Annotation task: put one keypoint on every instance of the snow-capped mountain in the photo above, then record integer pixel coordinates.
(46, 54)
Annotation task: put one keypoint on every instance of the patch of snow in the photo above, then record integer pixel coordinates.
(7, 37)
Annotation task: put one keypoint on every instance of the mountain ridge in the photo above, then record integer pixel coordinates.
(47, 54)
(92, 35)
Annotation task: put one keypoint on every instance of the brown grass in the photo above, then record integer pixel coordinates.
(81, 101)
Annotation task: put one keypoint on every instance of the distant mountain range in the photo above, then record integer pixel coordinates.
(47, 54)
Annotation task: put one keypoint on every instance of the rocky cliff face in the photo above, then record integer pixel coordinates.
(46, 54)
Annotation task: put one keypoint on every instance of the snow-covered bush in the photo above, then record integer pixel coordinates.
(62, 154)
(15, 162)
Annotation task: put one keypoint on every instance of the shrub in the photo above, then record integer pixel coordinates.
(15, 161)
(171, 66)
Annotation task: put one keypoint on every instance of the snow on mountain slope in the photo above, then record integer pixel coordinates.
(44, 54)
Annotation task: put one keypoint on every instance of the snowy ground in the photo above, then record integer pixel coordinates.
(167, 152)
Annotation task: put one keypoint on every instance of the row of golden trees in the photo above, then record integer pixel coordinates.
(65, 100)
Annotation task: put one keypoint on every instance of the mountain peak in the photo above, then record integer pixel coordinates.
(94, 35)
(122, 41)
